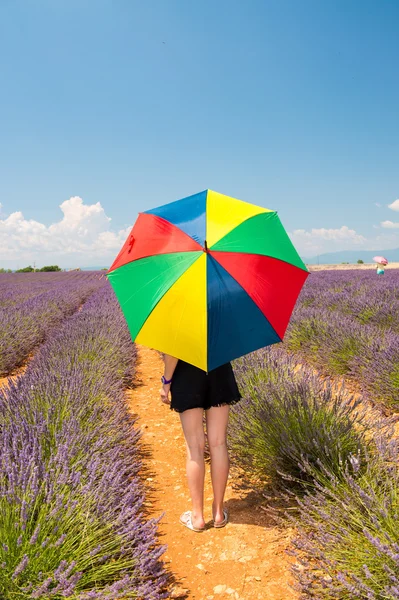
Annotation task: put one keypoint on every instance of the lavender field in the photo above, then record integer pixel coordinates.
(32, 305)
(73, 523)
(346, 323)
(71, 500)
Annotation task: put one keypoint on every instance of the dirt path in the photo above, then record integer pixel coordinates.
(15, 375)
(246, 560)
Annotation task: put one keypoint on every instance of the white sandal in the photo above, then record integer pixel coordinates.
(224, 522)
(186, 520)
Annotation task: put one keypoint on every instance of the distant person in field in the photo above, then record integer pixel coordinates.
(192, 391)
(380, 269)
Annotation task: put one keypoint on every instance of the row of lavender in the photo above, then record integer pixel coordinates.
(346, 323)
(71, 501)
(32, 304)
(360, 294)
(18, 287)
(298, 439)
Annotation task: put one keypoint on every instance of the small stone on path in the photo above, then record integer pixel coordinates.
(179, 592)
(244, 559)
(219, 589)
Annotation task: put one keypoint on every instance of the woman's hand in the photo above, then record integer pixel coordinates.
(165, 389)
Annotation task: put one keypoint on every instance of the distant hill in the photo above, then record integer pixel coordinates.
(351, 256)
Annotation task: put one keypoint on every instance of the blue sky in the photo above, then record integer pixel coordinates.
(111, 107)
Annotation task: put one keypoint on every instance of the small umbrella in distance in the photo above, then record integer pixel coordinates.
(381, 260)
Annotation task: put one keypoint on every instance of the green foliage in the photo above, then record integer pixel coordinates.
(5, 270)
(30, 269)
(367, 313)
(360, 262)
(394, 377)
(70, 516)
(50, 268)
(306, 334)
(25, 270)
(340, 355)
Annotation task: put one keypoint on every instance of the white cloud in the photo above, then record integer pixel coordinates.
(321, 240)
(394, 205)
(82, 237)
(343, 233)
(389, 225)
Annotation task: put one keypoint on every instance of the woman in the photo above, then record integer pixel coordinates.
(380, 269)
(193, 391)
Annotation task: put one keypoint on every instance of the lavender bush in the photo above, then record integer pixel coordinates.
(341, 478)
(286, 416)
(346, 323)
(71, 502)
(347, 543)
(31, 309)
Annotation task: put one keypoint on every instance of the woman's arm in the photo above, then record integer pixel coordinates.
(170, 366)
(169, 369)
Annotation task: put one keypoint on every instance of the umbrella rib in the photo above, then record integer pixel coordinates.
(213, 252)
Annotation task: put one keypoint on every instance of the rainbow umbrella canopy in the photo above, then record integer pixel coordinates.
(207, 279)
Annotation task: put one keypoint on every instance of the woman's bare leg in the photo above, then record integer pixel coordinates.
(193, 430)
(216, 427)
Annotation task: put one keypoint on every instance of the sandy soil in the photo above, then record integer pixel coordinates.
(17, 373)
(245, 560)
(351, 266)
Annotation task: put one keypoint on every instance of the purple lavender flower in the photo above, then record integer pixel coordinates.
(21, 567)
(35, 535)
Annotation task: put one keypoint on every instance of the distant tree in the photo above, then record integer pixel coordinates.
(104, 269)
(5, 270)
(344, 263)
(50, 268)
(25, 270)
(360, 262)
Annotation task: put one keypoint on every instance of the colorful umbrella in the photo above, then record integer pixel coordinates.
(381, 260)
(207, 279)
